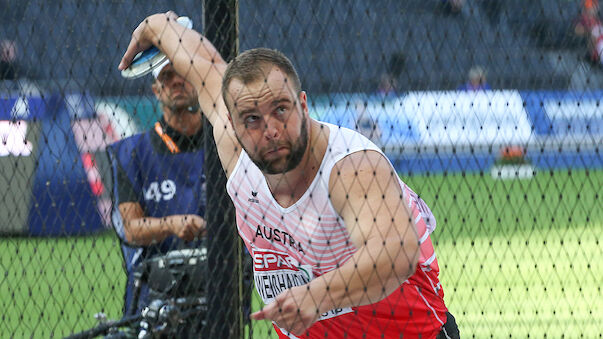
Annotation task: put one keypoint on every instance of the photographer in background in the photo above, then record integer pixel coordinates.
(159, 184)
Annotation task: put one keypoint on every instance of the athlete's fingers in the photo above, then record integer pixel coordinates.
(283, 312)
(172, 15)
(259, 315)
(272, 311)
(134, 47)
(291, 314)
(137, 44)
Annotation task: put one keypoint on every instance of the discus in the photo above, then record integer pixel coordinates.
(148, 60)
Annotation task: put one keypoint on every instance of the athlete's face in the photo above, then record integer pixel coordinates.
(269, 118)
(173, 91)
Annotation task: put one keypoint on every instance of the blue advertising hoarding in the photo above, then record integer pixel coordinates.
(50, 172)
(52, 145)
(451, 131)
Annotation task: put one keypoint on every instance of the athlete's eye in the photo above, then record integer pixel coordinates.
(251, 121)
(281, 110)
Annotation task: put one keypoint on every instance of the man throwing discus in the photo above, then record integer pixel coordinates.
(341, 246)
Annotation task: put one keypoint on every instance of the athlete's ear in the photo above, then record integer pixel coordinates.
(303, 100)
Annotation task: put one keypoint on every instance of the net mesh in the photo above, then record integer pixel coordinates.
(487, 110)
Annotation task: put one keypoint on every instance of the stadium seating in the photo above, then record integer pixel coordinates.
(439, 48)
(344, 51)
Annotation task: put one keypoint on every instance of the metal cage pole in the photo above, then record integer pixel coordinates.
(224, 308)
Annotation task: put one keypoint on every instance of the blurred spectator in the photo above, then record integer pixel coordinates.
(477, 80)
(588, 26)
(492, 9)
(553, 33)
(453, 6)
(8, 60)
(366, 124)
(388, 83)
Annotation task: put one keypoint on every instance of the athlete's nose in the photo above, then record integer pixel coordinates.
(271, 128)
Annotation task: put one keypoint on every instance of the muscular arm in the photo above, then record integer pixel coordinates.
(365, 192)
(143, 231)
(195, 58)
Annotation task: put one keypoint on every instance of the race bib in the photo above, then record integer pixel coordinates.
(275, 272)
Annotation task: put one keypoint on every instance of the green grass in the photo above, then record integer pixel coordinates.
(52, 287)
(518, 258)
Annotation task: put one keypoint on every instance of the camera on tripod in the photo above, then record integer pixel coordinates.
(176, 285)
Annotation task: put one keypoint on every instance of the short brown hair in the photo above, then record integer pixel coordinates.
(251, 65)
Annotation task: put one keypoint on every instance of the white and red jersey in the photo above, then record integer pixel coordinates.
(291, 246)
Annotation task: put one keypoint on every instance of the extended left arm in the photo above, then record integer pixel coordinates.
(365, 192)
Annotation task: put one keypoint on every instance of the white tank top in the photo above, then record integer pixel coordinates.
(290, 246)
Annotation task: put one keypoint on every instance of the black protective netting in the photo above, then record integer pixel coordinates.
(489, 110)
